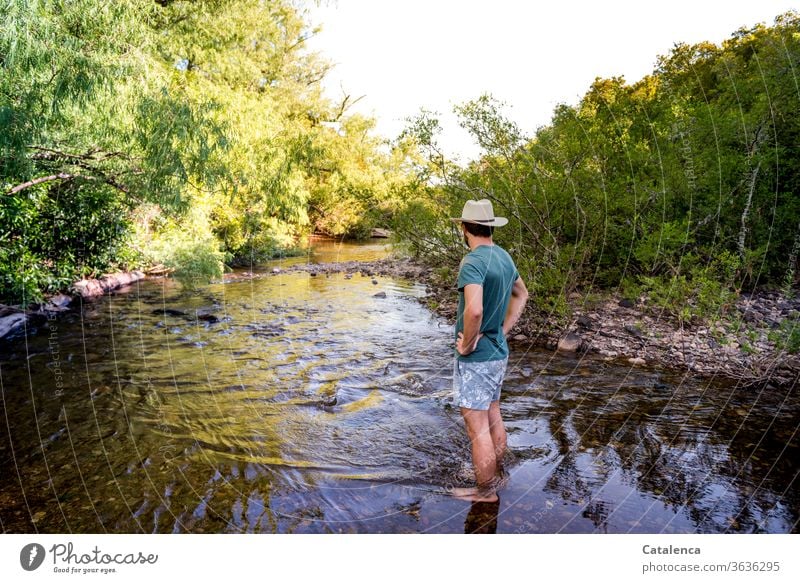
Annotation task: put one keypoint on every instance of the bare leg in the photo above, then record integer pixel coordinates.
(483, 457)
(498, 432)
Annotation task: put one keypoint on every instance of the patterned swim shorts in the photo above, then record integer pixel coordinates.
(476, 384)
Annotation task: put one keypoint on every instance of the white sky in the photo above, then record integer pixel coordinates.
(404, 55)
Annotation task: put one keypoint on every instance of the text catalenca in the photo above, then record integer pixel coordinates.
(670, 550)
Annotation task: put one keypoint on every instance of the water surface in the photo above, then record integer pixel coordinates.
(293, 403)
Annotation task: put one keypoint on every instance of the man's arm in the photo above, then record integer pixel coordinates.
(473, 317)
(519, 296)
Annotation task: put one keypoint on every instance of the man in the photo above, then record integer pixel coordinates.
(491, 298)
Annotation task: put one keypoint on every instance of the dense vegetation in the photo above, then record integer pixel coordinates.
(684, 185)
(188, 133)
(196, 134)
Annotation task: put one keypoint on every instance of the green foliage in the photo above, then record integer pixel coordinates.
(423, 230)
(662, 248)
(207, 115)
(787, 335)
(704, 292)
(185, 245)
(62, 207)
(52, 235)
(681, 185)
(209, 118)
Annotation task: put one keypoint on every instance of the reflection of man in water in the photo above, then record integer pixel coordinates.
(482, 518)
(491, 298)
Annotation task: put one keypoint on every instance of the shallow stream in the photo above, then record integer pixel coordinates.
(294, 403)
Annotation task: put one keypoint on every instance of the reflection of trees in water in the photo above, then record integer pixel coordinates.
(575, 477)
(727, 464)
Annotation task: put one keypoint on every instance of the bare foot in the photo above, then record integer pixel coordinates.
(474, 495)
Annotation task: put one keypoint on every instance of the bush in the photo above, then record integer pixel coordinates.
(707, 293)
(787, 335)
(51, 236)
(186, 245)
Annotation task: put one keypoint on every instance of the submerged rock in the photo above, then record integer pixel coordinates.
(170, 312)
(10, 320)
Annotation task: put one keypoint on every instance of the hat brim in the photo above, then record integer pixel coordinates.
(497, 222)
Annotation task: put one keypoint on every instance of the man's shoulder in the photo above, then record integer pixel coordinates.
(471, 270)
(499, 252)
(503, 250)
(472, 258)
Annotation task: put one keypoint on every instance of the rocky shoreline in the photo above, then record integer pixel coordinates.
(14, 319)
(743, 346)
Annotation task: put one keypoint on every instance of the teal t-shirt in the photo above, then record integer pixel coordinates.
(491, 267)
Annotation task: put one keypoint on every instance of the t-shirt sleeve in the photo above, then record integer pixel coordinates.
(470, 272)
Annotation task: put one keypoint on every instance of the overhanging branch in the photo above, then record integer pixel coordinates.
(40, 180)
(66, 177)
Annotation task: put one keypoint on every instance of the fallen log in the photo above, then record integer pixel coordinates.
(87, 288)
(380, 233)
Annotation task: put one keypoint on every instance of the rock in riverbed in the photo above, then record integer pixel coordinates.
(58, 303)
(571, 342)
(10, 320)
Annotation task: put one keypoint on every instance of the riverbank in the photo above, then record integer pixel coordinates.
(16, 319)
(747, 345)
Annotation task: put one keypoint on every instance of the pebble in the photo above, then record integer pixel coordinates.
(633, 330)
(570, 343)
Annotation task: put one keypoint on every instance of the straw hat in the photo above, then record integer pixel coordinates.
(480, 212)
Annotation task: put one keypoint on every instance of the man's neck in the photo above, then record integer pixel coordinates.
(475, 242)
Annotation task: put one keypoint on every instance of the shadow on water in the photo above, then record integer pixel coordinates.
(294, 403)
